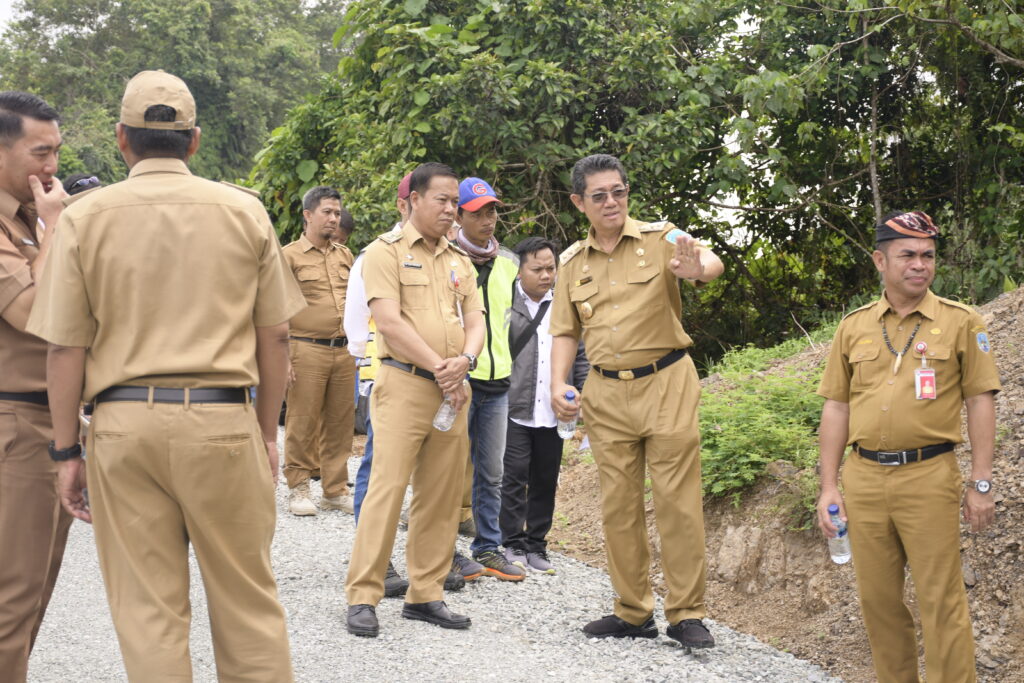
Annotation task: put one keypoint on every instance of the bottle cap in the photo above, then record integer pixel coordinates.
(570, 395)
(833, 509)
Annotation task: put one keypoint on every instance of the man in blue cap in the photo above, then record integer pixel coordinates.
(496, 269)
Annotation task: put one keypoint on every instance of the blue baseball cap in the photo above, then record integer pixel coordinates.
(475, 193)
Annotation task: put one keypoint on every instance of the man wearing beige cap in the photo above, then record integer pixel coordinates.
(167, 338)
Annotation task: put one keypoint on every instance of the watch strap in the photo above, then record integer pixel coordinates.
(62, 454)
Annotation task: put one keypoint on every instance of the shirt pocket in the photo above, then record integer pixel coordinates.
(865, 366)
(942, 358)
(308, 277)
(583, 298)
(415, 290)
(641, 275)
(342, 271)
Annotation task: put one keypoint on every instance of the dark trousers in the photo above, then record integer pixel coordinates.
(533, 456)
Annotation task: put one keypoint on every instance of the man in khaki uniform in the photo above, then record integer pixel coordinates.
(33, 527)
(423, 297)
(897, 375)
(166, 338)
(321, 400)
(619, 289)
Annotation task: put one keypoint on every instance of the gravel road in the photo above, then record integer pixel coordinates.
(521, 632)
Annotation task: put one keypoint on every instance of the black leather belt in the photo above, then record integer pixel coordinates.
(636, 373)
(337, 341)
(904, 457)
(37, 397)
(419, 372)
(166, 395)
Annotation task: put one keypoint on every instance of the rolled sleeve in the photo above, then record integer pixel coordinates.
(62, 313)
(278, 297)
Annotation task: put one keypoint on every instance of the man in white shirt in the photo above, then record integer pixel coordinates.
(533, 449)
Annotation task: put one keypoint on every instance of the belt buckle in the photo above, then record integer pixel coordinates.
(625, 374)
(891, 454)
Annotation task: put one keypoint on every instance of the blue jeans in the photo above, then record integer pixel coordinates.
(488, 425)
(363, 474)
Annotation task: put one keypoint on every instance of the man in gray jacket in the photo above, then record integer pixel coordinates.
(533, 449)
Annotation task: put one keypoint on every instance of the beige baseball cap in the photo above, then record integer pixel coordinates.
(148, 88)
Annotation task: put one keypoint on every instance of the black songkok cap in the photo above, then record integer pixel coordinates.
(909, 224)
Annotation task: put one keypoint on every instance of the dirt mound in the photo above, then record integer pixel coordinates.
(779, 584)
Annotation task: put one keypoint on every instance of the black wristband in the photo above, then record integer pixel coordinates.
(64, 453)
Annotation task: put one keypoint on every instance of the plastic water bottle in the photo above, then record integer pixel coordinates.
(445, 417)
(567, 428)
(838, 547)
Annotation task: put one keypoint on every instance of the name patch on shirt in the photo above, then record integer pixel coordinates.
(412, 265)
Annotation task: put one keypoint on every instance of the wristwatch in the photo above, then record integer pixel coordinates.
(472, 361)
(982, 485)
(60, 455)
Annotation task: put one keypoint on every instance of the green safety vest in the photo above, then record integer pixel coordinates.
(495, 361)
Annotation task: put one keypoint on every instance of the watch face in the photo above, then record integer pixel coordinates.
(983, 486)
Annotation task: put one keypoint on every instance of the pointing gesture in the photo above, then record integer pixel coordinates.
(685, 262)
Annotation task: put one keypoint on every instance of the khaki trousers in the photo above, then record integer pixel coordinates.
(33, 531)
(650, 423)
(910, 515)
(405, 444)
(321, 416)
(466, 511)
(160, 477)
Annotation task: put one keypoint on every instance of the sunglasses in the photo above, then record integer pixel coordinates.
(617, 194)
(85, 182)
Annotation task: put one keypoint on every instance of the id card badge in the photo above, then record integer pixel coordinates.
(924, 383)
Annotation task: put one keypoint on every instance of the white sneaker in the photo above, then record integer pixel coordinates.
(299, 502)
(343, 503)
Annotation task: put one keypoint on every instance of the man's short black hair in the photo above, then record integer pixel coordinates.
(14, 105)
(531, 245)
(153, 142)
(595, 163)
(346, 223)
(424, 173)
(314, 195)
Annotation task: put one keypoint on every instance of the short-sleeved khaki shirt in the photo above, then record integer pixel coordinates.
(434, 288)
(885, 413)
(22, 356)
(164, 277)
(323, 279)
(626, 304)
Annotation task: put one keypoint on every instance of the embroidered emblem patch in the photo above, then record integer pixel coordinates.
(983, 342)
(479, 188)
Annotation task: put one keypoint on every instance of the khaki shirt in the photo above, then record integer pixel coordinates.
(22, 356)
(626, 304)
(434, 288)
(164, 277)
(885, 413)
(323, 279)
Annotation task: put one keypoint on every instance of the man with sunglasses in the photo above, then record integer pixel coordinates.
(33, 527)
(619, 289)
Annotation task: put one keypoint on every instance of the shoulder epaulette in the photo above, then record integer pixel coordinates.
(457, 248)
(956, 304)
(71, 199)
(247, 190)
(862, 308)
(569, 253)
(509, 254)
(658, 226)
(390, 237)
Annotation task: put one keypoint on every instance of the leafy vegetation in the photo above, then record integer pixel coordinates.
(753, 415)
(246, 62)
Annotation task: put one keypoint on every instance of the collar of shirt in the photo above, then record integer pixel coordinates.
(928, 306)
(531, 305)
(411, 235)
(159, 165)
(307, 245)
(8, 205)
(629, 229)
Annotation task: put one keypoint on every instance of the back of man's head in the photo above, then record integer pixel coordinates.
(158, 113)
(14, 106)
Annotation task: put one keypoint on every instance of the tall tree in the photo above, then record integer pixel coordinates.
(246, 62)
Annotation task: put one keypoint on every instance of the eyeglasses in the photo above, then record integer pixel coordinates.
(617, 194)
(85, 182)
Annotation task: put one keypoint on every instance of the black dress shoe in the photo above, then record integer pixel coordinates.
(435, 612)
(362, 621)
(691, 633)
(613, 627)
(394, 585)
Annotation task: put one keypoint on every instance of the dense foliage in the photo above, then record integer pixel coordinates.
(776, 132)
(246, 62)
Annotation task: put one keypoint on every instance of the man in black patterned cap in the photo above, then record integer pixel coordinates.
(899, 370)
